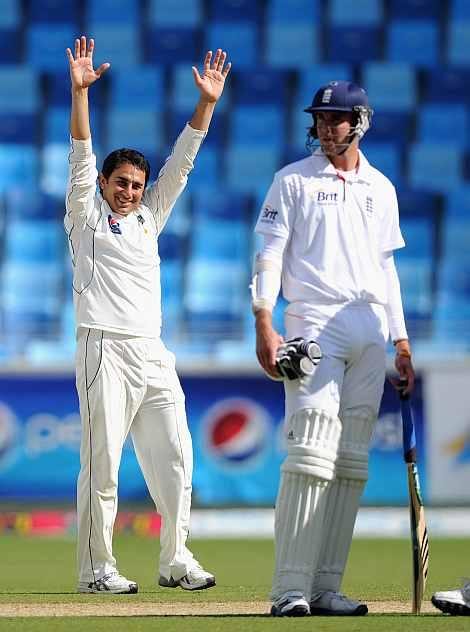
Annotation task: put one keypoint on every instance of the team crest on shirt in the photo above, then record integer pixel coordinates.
(268, 214)
(369, 205)
(114, 225)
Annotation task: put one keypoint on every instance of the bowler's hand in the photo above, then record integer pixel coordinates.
(268, 342)
(211, 83)
(82, 73)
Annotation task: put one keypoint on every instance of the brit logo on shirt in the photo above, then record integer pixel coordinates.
(268, 214)
(114, 225)
(369, 205)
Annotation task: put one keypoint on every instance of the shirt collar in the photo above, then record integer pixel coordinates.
(363, 172)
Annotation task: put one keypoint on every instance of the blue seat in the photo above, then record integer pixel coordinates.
(56, 11)
(172, 278)
(170, 46)
(294, 11)
(301, 40)
(386, 157)
(10, 15)
(417, 203)
(415, 9)
(55, 168)
(453, 299)
(390, 86)
(257, 124)
(57, 125)
(215, 136)
(175, 13)
(45, 45)
(179, 221)
(171, 246)
(221, 204)
(459, 10)
(447, 84)
(455, 236)
(457, 203)
(113, 12)
(236, 10)
(358, 13)
(353, 45)
(416, 285)
(33, 204)
(239, 39)
(267, 86)
(451, 123)
(208, 169)
(118, 44)
(413, 41)
(435, 166)
(140, 129)
(184, 94)
(10, 46)
(301, 123)
(18, 166)
(20, 89)
(32, 240)
(419, 234)
(457, 47)
(18, 128)
(143, 88)
(57, 86)
(310, 79)
(219, 240)
(250, 168)
(391, 125)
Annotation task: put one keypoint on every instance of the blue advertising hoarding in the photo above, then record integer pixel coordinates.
(236, 424)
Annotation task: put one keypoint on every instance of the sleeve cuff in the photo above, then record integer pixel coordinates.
(80, 149)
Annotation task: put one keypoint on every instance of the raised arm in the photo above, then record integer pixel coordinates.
(82, 76)
(210, 85)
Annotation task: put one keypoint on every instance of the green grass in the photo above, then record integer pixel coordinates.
(43, 571)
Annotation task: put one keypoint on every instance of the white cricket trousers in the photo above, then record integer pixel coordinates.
(130, 384)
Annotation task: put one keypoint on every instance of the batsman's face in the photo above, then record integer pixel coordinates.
(333, 129)
(123, 189)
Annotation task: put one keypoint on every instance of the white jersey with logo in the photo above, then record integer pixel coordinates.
(116, 267)
(337, 227)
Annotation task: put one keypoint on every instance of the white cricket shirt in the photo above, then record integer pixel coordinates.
(116, 267)
(336, 231)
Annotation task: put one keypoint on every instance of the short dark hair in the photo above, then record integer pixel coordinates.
(124, 155)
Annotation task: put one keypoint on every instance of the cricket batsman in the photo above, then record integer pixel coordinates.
(329, 226)
(126, 378)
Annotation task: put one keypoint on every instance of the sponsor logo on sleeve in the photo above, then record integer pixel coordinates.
(114, 225)
(268, 214)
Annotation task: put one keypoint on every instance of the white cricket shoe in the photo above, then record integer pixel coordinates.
(195, 579)
(456, 602)
(113, 583)
(331, 603)
(290, 604)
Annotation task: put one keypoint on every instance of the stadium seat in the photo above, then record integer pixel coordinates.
(457, 203)
(208, 169)
(291, 45)
(391, 125)
(257, 124)
(169, 46)
(452, 313)
(46, 43)
(185, 13)
(18, 166)
(171, 246)
(293, 12)
(221, 204)
(357, 13)
(458, 53)
(215, 136)
(10, 46)
(417, 203)
(418, 233)
(386, 157)
(312, 78)
(390, 86)
(142, 88)
(20, 89)
(29, 240)
(353, 45)
(18, 128)
(113, 12)
(25, 204)
(179, 221)
(56, 128)
(266, 86)
(54, 168)
(184, 94)
(10, 15)
(434, 166)
(447, 84)
(451, 123)
(251, 168)
(413, 41)
(234, 10)
(57, 89)
(415, 9)
(56, 11)
(239, 39)
(459, 10)
(171, 277)
(416, 285)
(455, 237)
(138, 129)
(219, 240)
(118, 44)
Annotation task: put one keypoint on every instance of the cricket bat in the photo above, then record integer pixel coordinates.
(419, 534)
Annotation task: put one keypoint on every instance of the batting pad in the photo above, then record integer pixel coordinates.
(305, 475)
(342, 500)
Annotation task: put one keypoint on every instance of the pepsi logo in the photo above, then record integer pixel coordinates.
(236, 432)
(8, 433)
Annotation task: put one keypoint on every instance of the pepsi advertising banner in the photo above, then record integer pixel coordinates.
(236, 424)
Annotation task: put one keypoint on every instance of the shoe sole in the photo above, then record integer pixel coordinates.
(448, 607)
(171, 583)
(297, 611)
(360, 611)
(133, 589)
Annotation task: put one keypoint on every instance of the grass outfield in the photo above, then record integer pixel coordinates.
(38, 573)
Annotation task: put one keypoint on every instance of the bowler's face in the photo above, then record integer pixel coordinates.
(124, 188)
(333, 129)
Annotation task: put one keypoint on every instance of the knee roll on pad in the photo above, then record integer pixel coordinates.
(353, 452)
(312, 444)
